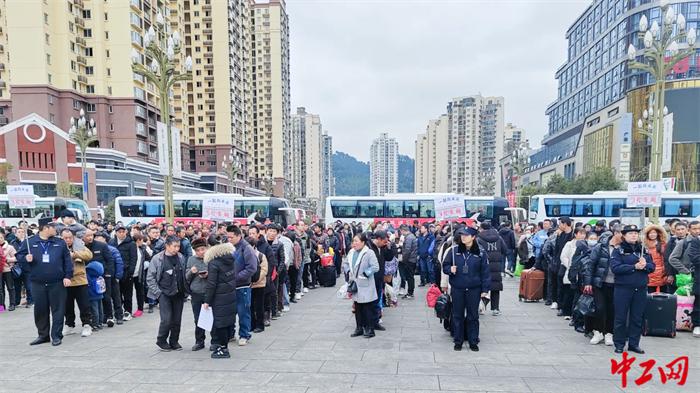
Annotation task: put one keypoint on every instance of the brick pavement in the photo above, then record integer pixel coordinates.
(527, 349)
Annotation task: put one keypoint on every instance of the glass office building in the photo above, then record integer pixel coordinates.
(595, 74)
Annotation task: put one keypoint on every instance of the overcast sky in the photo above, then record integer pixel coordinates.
(371, 66)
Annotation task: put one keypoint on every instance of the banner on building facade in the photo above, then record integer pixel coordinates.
(163, 150)
(218, 208)
(669, 183)
(625, 143)
(510, 195)
(449, 207)
(667, 152)
(21, 197)
(644, 194)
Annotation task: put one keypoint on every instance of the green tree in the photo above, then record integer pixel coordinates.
(599, 179)
(66, 190)
(558, 184)
(109, 212)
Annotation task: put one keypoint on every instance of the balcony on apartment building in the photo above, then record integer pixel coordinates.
(80, 21)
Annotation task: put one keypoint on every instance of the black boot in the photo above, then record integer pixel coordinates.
(370, 333)
(358, 332)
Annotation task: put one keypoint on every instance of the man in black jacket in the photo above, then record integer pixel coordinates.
(508, 236)
(566, 233)
(101, 254)
(275, 258)
(694, 257)
(50, 267)
(679, 229)
(127, 249)
(381, 249)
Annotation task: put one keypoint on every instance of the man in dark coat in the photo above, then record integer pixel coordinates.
(492, 244)
(556, 275)
(508, 236)
(127, 249)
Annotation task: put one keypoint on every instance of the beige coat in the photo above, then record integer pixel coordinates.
(263, 271)
(81, 257)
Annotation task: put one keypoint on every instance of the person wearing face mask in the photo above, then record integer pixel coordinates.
(575, 275)
(599, 281)
(631, 266)
(567, 290)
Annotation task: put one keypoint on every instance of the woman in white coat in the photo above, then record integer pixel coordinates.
(360, 266)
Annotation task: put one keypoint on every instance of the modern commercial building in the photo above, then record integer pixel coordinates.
(269, 143)
(475, 127)
(383, 165)
(431, 170)
(597, 92)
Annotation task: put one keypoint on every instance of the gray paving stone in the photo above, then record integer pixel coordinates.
(87, 387)
(581, 385)
(360, 366)
(152, 376)
(338, 354)
(236, 378)
(488, 370)
(293, 366)
(11, 386)
(168, 388)
(401, 382)
(70, 374)
(324, 380)
(490, 384)
(424, 368)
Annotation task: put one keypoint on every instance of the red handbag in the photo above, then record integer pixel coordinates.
(433, 294)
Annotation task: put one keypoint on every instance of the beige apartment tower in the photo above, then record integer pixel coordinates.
(269, 144)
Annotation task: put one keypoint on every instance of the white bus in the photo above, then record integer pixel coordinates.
(606, 205)
(407, 208)
(45, 207)
(188, 209)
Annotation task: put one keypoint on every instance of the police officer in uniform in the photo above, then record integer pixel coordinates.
(470, 279)
(631, 266)
(48, 261)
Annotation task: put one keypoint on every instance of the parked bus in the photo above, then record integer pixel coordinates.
(45, 207)
(407, 208)
(606, 205)
(188, 209)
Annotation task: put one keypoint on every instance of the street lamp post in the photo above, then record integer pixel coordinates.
(83, 133)
(232, 166)
(660, 41)
(163, 73)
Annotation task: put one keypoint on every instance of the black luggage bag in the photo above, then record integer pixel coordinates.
(660, 315)
(326, 276)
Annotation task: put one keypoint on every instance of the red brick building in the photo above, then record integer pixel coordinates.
(42, 154)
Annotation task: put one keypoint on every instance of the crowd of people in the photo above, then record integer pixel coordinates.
(250, 274)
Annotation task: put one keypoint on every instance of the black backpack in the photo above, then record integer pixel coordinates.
(443, 307)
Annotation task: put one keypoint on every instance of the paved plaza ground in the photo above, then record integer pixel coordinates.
(527, 349)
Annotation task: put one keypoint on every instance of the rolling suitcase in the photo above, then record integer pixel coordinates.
(326, 276)
(660, 315)
(531, 285)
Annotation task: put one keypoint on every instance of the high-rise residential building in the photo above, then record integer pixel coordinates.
(513, 134)
(327, 178)
(475, 144)
(217, 36)
(62, 56)
(431, 171)
(600, 99)
(269, 142)
(384, 165)
(306, 158)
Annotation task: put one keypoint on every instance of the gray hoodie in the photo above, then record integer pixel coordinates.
(197, 284)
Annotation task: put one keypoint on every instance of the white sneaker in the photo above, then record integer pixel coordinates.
(297, 296)
(496, 313)
(402, 291)
(127, 316)
(567, 318)
(87, 331)
(597, 338)
(285, 309)
(554, 306)
(306, 290)
(696, 332)
(242, 342)
(67, 330)
(609, 340)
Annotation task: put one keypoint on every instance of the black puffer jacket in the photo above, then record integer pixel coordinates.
(127, 249)
(220, 292)
(598, 262)
(492, 243)
(578, 263)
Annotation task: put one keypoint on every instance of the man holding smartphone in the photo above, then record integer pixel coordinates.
(196, 278)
